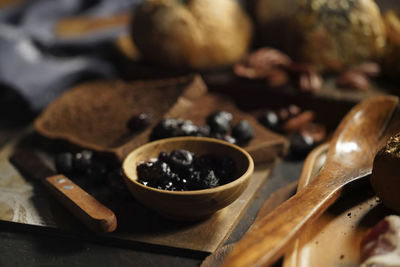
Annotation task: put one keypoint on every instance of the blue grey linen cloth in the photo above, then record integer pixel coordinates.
(37, 65)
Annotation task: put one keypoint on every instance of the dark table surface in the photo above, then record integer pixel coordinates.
(22, 245)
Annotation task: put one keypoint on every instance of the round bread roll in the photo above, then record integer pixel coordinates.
(198, 34)
(385, 177)
(391, 59)
(335, 34)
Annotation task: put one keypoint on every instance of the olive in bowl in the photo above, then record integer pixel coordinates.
(188, 205)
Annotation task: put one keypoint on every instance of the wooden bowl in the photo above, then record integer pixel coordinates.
(188, 205)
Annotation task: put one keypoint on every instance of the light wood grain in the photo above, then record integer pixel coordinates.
(86, 208)
(352, 149)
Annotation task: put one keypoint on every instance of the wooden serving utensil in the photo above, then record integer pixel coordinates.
(363, 131)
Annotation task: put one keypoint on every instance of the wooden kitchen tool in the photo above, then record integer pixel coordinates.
(85, 208)
(361, 133)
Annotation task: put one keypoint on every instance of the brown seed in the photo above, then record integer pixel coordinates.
(277, 78)
(309, 80)
(283, 114)
(260, 63)
(268, 57)
(371, 69)
(298, 122)
(294, 110)
(315, 130)
(353, 80)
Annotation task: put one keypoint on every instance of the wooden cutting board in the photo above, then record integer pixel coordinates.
(25, 201)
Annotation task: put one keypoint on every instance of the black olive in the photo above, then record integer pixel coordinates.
(139, 122)
(220, 122)
(269, 119)
(243, 132)
(224, 137)
(301, 145)
(64, 162)
(83, 160)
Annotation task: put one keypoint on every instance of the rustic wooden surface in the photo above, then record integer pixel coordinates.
(39, 246)
(277, 198)
(352, 149)
(25, 201)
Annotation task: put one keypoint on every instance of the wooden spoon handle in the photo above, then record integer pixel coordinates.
(87, 209)
(264, 243)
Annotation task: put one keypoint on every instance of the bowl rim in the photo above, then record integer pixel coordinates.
(246, 175)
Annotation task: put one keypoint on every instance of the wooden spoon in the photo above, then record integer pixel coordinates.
(364, 130)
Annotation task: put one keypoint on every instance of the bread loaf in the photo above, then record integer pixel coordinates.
(335, 34)
(198, 34)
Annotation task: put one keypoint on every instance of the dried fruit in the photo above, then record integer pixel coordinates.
(309, 80)
(315, 130)
(297, 122)
(260, 63)
(353, 80)
(277, 78)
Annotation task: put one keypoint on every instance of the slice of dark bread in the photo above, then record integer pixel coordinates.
(94, 115)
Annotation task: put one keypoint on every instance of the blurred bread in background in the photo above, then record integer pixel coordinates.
(330, 34)
(336, 34)
(197, 34)
(391, 59)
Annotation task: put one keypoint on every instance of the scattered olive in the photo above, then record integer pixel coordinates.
(83, 160)
(243, 132)
(269, 119)
(64, 162)
(139, 122)
(224, 137)
(220, 122)
(301, 145)
(218, 126)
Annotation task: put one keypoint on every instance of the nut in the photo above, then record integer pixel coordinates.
(309, 80)
(315, 130)
(298, 122)
(352, 79)
(260, 63)
(277, 78)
